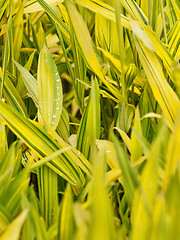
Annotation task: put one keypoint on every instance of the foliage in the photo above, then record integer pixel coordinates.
(89, 119)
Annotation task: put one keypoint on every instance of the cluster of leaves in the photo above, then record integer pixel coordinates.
(89, 119)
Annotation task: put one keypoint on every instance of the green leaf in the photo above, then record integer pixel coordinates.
(49, 88)
(39, 140)
(14, 229)
(129, 176)
(162, 91)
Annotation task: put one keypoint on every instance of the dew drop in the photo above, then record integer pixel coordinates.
(58, 98)
(57, 108)
(57, 87)
(52, 123)
(58, 80)
(54, 116)
(56, 73)
(46, 60)
(58, 93)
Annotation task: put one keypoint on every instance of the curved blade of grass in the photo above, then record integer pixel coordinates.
(48, 158)
(39, 140)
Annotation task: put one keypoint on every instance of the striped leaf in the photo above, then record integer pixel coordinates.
(163, 93)
(84, 40)
(39, 140)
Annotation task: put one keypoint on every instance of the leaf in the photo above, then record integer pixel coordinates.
(129, 175)
(39, 140)
(163, 93)
(6, 54)
(102, 226)
(90, 120)
(84, 40)
(136, 149)
(12, 96)
(3, 141)
(135, 11)
(49, 88)
(30, 83)
(14, 229)
(173, 39)
(66, 219)
(18, 31)
(104, 9)
(144, 198)
(33, 5)
(54, 16)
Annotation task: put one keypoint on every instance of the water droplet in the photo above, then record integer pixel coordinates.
(52, 123)
(57, 108)
(56, 73)
(58, 98)
(78, 152)
(58, 93)
(57, 87)
(54, 116)
(46, 60)
(58, 80)
(49, 114)
(42, 102)
(73, 65)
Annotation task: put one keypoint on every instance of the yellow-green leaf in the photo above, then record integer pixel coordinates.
(49, 88)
